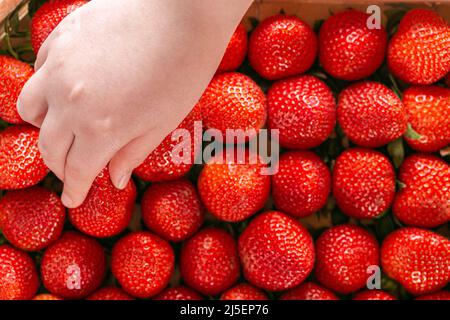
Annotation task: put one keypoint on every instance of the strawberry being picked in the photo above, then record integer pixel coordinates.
(348, 49)
(13, 76)
(47, 18)
(428, 113)
(424, 199)
(418, 259)
(282, 46)
(419, 52)
(21, 164)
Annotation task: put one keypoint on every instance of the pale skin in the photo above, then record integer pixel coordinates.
(116, 77)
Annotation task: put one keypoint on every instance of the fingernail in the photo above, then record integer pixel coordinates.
(123, 181)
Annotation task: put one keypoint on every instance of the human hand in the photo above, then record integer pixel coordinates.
(116, 77)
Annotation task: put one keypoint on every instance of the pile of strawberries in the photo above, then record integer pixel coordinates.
(346, 120)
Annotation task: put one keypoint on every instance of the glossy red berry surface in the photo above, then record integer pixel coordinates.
(31, 219)
(74, 266)
(209, 261)
(18, 276)
(13, 76)
(172, 209)
(282, 46)
(418, 52)
(302, 184)
(236, 51)
(309, 291)
(424, 198)
(21, 164)
(107, 211)
(363, 183)
(276, 251)
(373, 295)
(348, 48)
(109, 293)
(343, 255)
(370, 114)
(142, 263)
(303, 109)
(178, 293)
(244, 291)
(440, 295)
(418, 259)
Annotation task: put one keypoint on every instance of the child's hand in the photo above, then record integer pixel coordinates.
(116, 77)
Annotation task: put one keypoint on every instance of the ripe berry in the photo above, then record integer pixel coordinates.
(236, 51)
(18, 275)
(440, 295)
(276, 251)
(172, 209)
(142, 263)
(178, 293)
(348, 49)
(429, 115)
(303, 109)
(424, 199)
(302, 184)
(13, 76)
(282, 46)
(309, 291)
(418, 53)
(21, 164)
(209, 262)
(107, 211)
(370, 114)
(46, 297)
(418, 259)
(233, 101)
(47, 18)
(233, 191)
(109, 293)
(373, 295)
(160, 165)
(243, 291)
(74, 266)
(32, 218)
(363, 183)
(344, 254)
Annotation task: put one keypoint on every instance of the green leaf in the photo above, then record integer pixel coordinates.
(411, 133)
(338, 217)
(397, 152)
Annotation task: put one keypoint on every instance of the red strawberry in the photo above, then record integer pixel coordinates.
(233, 191)
(46, 296)
(244, 291)
(440, 295)
(276, 251)
(303, 110)
(302, 184)
(172, 210)
(424, 201)
(13, 76)
(282, 46)
(348, 49)
(309, 291)
(209, 261)
(34, 218)
(344, 253)
(363, 183)
(373, 295)
(429, 115)
(178, 293)
(107, 211)
(233, 101)
(419, 52)
(418, 259)
(47, 18)
(21, 164)
(74, 266)
(236, 51)
(159, 165)
(109, 293)
(142, 263)
(18, 275)
(447, 80)
(370, 114)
